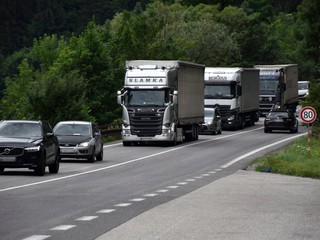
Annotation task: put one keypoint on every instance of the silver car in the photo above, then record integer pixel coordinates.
(212, 121)
(79, 139)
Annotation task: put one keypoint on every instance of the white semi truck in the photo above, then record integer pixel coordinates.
(162, 101)
(278, 87)
(236, 92)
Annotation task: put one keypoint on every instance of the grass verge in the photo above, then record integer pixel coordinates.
(295, 159)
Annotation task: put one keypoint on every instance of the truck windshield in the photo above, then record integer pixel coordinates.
(219, 91)
(146, 97)
(268, 86)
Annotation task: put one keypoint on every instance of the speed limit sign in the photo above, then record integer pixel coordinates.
(308, 114)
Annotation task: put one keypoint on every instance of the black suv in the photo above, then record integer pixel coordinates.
(28, 144)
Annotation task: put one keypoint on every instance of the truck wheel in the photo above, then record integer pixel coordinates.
(1, 169)
(126, 144)
(241, 122)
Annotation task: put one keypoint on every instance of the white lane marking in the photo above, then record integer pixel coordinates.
(218, 169)
(122, 204)
(162, 190)
(127, 162)
(205, 174)
(86, 218)
(212, 172)
(106, 211)
(198, 177)
(190, 180)
(111, 145)
(150, 195)
(182, 183)
(258, 150)
(37, 237)
(137, 199)
(63, 227)
(172, 187)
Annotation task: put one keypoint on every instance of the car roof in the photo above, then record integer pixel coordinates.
(23, 121)
(74, 122)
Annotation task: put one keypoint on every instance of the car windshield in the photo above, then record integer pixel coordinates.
(20, 129)
(278, 115)
(72, 129)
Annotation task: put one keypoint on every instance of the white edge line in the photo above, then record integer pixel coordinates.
(258, 150)
(125, 163)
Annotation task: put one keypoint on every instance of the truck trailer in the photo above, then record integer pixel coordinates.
(236, 92)
(278, 87)
(162, 101)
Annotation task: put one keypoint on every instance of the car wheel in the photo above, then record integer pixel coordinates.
(266, 130)
(92, 157)
(100, 155)
(41, 167)
(1, 169)
(54, 167)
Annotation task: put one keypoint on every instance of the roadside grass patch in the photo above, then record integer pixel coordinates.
(295, 159)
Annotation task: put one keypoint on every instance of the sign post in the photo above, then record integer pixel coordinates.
(308, 115)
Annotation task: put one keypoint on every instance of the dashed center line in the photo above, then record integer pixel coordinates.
(106, 211)
(150, 195)
(63, 227)
(172, 187)
(37, 237)
(122, 204)
(162, 190)
(137, 199)
(86, 218)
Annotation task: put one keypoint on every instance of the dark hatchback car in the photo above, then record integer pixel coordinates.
(28, 144)
(281, 120)
(79, 139)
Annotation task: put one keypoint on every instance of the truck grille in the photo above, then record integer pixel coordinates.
(146, 122)
(224, 109)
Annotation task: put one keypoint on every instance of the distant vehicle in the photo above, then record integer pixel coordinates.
(28, 144)
(212, 121)
(162, 101)
(281, 120)
(303, 89)
(236, 91)
(79, 139)
(278, 87)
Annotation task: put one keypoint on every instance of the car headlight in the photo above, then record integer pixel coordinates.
(32, 149)
(84, 144)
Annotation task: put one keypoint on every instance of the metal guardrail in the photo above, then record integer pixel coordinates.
(110, 132)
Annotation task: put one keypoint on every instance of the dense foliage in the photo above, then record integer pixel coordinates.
(65, 59)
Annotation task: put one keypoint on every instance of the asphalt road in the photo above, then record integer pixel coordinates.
(85, 200)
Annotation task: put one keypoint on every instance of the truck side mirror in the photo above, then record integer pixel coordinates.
(119, 95)
(175, 97)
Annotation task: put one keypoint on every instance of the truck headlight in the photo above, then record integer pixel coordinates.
(231, 118)
(126, 131)
(166, 131)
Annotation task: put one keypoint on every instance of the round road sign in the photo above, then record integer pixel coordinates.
(308, 114)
